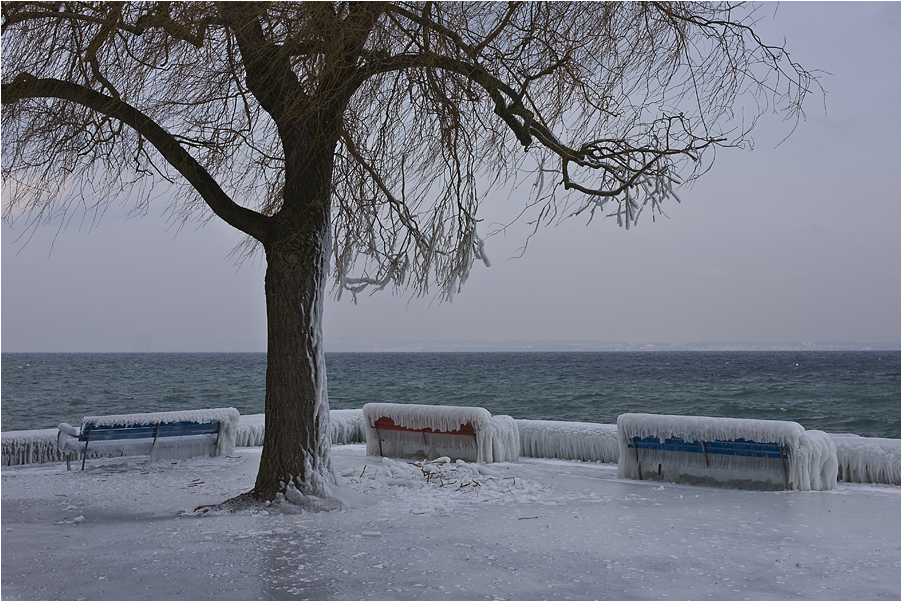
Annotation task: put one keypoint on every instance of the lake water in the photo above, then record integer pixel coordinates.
(837, 391)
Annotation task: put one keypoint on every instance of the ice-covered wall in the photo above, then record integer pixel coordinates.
(30, 447)
(505, 440)
(817, 468)
(584, 441)
(250, 430)
(859, 459)
(868, 459)
(347, 426)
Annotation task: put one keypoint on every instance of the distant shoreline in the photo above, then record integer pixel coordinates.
(539, 347)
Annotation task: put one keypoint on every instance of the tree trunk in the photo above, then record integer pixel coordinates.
(296, 459)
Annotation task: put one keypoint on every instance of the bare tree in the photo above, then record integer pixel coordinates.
(356, 140)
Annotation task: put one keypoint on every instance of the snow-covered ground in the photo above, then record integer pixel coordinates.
(537, 529)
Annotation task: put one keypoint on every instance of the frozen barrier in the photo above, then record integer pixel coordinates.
(868, 459)
(30, 447)
(346, 427)
(400, 430)
(860, 459)
(250, 430)
(584, 441)
(748, 454)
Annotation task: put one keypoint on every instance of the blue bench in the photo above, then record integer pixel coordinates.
(731, 452)
(165, 434)
(708, 450)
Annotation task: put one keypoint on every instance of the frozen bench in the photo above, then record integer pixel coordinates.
(160, 435)
(398, 430)
(746, 454)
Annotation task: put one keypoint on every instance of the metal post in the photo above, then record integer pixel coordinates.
(88, 440)
(379, 438)
(638, 462)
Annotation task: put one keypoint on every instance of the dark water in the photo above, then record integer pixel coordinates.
(838, 392)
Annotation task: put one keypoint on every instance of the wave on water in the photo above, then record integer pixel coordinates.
(837, 392)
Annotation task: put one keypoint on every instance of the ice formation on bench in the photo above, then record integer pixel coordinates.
(433, 431)
(804, 460)
(585, 441)
(176, 448)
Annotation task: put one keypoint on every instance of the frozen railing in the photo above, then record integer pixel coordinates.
(585, 441)
(860, 459)
(30, 447)
(868, 459)
(427, 432)
(758, 454)
(346, 426)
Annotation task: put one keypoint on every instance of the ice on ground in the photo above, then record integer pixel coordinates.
(536, 529)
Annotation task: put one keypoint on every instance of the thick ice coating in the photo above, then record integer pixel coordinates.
(346, 426)
(860, 459)
(585, 441)
(868, 459)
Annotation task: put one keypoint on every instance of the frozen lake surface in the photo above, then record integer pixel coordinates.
(537, 529)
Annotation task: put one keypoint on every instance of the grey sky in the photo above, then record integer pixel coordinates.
(789, 243)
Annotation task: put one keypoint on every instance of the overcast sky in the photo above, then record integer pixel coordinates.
(792, 243)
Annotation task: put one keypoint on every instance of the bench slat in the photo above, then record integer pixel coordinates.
(109, 433)
(388, 424)
(738, 447)
(177, 429)
(144, 431)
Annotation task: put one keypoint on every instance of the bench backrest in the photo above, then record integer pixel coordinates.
(387, 424)
(736, 447)
(146, 431)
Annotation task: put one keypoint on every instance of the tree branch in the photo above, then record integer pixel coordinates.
(26, 86)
